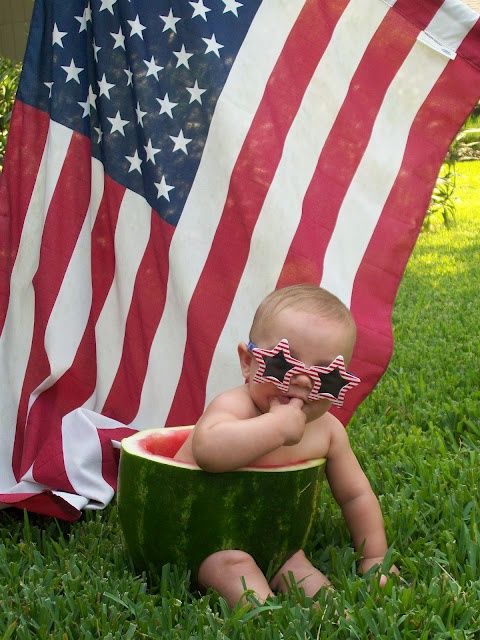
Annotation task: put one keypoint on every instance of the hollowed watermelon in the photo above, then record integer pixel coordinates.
(173, 512)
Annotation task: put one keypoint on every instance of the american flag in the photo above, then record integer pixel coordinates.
(169, 163)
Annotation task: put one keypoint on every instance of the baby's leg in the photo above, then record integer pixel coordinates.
(224, 570)
(310, 579)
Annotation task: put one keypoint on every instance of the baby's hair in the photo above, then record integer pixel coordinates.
(301, 297)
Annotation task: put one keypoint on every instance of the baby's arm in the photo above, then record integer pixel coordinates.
(355, 496)
(225, 439)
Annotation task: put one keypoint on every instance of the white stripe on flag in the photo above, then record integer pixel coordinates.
(82, 457)
(131, 238)
(283, 205)
(358, 216)
(194, 234)
(70, 313)
(451, 24)
(29, 485)
(16, 338)
(78, 502)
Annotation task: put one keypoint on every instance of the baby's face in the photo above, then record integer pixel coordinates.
(313, 340)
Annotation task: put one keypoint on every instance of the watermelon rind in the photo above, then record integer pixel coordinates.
(174, 512)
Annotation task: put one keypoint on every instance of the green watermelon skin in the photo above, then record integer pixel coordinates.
(177, 513)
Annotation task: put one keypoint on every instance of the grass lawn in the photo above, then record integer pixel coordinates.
(418, 438)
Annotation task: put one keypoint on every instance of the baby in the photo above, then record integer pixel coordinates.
(293, 366)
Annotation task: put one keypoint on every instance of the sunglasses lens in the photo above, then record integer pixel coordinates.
(276, 366)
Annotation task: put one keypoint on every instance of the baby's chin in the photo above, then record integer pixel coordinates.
(316, 410)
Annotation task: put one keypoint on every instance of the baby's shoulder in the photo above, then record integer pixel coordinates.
(327, 432)
(327, 423)
(234, 401)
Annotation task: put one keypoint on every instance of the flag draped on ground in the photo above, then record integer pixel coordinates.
(171, 162)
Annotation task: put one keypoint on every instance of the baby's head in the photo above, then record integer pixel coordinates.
(318, 328)
(301, 298)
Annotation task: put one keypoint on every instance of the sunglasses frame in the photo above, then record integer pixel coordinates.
(315, 373)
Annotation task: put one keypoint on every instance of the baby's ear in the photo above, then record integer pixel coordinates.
(245, 357)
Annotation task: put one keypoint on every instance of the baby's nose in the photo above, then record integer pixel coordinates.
(301, 380)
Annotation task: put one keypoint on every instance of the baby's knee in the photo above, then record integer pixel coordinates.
(225, 565)
(296, 562)
(303, 572)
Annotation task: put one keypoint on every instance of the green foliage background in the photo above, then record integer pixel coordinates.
(9, 76)
(465, 146)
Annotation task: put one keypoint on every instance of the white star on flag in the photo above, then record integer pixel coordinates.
(182, 57)
(92, 97)
(140, 114)
(170, 21)
(58, 35)
(163, 188)
(99, 132)
(231, 5)
(104, 87)
(49, 85)
(136, 27)
(135, 162)
(86, 108)
(72, 72)
(212, 45)
(166, 105)
(118, 124)
(199, 9)
(129, 76)
(180, 142)
(108, 4)
(153, 68)
(195, 93)
(96, 50)
(83, 21)
(119, 38)
(151, 151)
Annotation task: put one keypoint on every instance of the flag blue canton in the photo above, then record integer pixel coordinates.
(141, 78)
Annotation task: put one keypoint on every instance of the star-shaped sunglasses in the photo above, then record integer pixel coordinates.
(278, 366)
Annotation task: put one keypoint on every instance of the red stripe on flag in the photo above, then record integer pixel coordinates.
(346, 144)
(469, 50)
(144, 315)
(63, 223)
(415, 12)
(385, 259)
(45, 504)
(78, 383)
(28, 129)
(251, 179)
(111, 456)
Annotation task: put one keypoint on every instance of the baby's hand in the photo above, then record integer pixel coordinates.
(368, 563)
(292, 419)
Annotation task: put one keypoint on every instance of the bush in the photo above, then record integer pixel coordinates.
(465, 146)
(9, 76)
